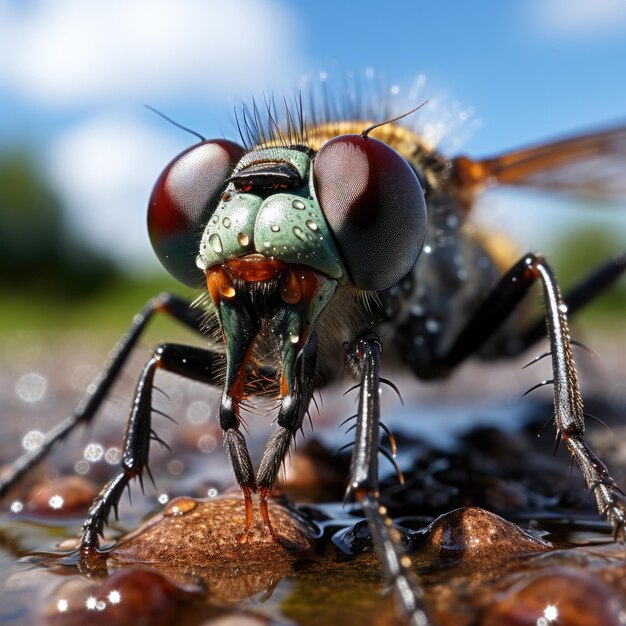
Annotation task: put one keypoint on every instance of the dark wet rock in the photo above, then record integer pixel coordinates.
(473, 534)
(316, 473)
(567, 597)
(62, 496)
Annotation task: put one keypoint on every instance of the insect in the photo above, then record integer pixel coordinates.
(313, 241)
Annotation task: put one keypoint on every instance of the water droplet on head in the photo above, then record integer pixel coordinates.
(243, 239)
(297, 231)
(275, 228)
(180, 506)
(312, 225)
(226, 222)
(298, 204)
(216, 243)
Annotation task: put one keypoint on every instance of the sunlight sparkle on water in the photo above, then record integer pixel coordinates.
(56, 502)
(62, 605)
(115, 597)
(32, 440)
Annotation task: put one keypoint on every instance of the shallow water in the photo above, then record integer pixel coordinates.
(498, 530)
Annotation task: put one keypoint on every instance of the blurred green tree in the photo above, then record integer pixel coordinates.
(37, 253)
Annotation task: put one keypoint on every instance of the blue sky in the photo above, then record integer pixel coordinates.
(74, 76)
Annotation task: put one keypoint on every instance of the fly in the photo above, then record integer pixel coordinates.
(313, 241)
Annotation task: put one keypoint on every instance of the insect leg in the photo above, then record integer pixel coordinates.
(293, 408)
(99, 388)
(568, 404)
(580, 295)
(190, 362)
(364, 355)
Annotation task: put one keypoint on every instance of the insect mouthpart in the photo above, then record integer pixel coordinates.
(263, 300)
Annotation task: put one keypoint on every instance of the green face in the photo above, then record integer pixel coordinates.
(288, 225)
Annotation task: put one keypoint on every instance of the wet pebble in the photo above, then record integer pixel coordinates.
(561, 597)
(473, 534)
(63, 496)
(127, 597)
(195, 539)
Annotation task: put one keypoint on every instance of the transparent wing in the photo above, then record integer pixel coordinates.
(591, 165)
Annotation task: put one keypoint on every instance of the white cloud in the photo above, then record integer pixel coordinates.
(72, 51)
(578, 18)
(104, 171)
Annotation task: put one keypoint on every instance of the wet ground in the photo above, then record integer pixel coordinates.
(499, 530)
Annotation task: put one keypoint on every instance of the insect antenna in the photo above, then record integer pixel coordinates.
(177, 124)
(369, 129)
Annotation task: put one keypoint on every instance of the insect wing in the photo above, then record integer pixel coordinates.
(592, 165)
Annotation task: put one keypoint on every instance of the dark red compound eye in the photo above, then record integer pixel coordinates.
(182, 201)
(374, 206)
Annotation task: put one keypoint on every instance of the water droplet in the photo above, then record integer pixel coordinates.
(200, 261)
(207, 444)
(32, 440)
(215, 219)
(113, 455)
(452, 221)
(298, 204)
(212, 492)
(297, 231)
(275, 228)
(294, 338)
(563, 308)
(93, 452)
(175, 467)
(180, 506)
(312, 225)
(16, 507)
(216, 243)
(432, 325)
(198, 412)
(115, 597)
(56, 502)
(31, 387)
(81, 467)
(243, 239)
(62, 605)
(226, 222)
(163, 498)
(266, 243)
(427, 249)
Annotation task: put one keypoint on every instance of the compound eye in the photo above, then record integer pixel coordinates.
(374, 206)
(182, 201)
